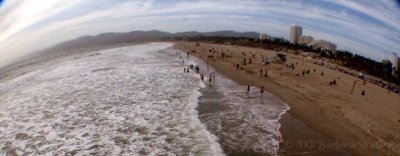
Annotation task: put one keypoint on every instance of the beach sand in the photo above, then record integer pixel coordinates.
(335, 121)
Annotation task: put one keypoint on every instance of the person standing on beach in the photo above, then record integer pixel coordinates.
(262, 90)
(248, 91)
(197, 69)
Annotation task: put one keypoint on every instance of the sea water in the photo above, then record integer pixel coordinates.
(124, 101)
(246, 124)
(134, 101)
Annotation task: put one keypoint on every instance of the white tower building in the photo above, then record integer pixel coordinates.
(295, 33)
(395, 61)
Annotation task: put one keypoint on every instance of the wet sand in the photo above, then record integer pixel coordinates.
(338, 122)
(244, 124)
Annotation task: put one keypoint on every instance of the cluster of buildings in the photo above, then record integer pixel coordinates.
(296, 36)
(266, 37)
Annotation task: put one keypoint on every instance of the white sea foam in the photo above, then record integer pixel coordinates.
(17, 81)
(242, 123)
(125, 101)
(250, 123)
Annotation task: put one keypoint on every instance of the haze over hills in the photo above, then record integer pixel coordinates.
(113, 39)
(135, 36)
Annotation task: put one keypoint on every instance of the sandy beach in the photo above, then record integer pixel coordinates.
(364, 125)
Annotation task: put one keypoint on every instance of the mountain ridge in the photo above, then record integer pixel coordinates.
(110, 38)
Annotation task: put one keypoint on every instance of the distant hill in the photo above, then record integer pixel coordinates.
(107, 39)
(110, 40)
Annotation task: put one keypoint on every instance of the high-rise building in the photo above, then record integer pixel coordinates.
(295, 34)
(395, 61)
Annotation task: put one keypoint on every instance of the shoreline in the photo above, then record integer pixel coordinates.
(292, 141)
(287, 123)
(321, 118)
(306, 109)
(223, 89)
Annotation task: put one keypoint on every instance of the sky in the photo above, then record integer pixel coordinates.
(367, 27)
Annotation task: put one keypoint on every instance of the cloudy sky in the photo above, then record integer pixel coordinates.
(368, 27)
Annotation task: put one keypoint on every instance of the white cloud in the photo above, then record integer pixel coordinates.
(385, 11)
(348, 30)
(23, 14)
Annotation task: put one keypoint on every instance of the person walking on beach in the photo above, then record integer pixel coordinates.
(266, 73)
(262, 90)
(248, 91)
(197, 69)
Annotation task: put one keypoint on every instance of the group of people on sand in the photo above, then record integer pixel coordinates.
(263, 72)
(249, 58)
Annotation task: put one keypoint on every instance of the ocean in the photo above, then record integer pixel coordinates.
(245, 124)
(134, 101)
